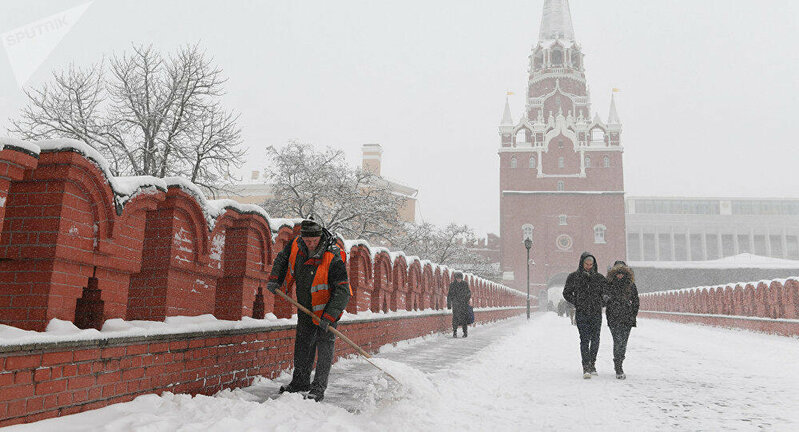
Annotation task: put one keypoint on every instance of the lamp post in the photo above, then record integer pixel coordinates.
(528, 243)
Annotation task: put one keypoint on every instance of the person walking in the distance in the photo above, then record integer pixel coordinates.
(458, 298)
(314, 263)
(622, 309)
(584, 289)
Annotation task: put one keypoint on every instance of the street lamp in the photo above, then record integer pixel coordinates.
(528, 243)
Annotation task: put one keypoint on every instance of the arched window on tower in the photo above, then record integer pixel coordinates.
(606, 162)
(561, 162)
(538, 60)
(597, 136)
(532, 162)
(556, 57)
(522, 137)
(576, 59)
(513, 162)
(560, 186)
(599, 234)
(588, 161)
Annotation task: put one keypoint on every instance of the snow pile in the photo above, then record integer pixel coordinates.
(404, 382)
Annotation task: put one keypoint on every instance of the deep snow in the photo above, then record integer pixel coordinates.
(507, 376)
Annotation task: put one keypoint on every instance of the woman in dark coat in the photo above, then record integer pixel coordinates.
(458, 298)
(622, 308)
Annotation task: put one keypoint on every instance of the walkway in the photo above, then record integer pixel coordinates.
(507, 376)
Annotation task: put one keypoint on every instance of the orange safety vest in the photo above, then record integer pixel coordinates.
(320, 291)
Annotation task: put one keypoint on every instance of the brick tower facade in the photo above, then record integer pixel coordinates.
(561, 177)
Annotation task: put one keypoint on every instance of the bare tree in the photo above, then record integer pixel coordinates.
(450, 245)
(350, 201)
(146, 113)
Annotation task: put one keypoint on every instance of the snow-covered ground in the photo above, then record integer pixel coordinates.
(507, 376)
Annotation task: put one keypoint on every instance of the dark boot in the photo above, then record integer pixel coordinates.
(291, 388)
(592, 369)
(586, 371)
(455, 332)
(619, 371)
(315, 394)
(465, 331)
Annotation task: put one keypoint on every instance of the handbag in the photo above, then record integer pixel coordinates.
(470, 319)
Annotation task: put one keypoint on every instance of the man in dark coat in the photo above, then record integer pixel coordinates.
(622, 309)
(584, 289)
(313, 340)
(458, 298)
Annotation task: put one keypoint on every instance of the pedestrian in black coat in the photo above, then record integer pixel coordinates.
(458, 298)
(584, 289)
(622, 309)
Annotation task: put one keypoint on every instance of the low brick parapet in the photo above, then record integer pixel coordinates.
(44, 380)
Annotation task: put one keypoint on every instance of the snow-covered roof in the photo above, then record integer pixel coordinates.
(744, 260)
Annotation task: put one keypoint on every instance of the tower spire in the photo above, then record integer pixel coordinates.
(556, 22)
(613, 116)
(507, 119)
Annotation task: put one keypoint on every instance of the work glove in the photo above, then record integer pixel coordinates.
(324, 324)
(272, 287)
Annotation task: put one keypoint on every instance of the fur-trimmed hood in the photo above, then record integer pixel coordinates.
(621, 268)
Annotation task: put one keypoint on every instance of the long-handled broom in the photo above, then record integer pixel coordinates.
(335, 331)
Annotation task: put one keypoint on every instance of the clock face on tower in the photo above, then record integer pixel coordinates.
(564, 242)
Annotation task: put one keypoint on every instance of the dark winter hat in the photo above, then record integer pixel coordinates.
(309, 228)
(458, 275)
(620, 262)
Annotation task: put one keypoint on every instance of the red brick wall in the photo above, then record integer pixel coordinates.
(163, 253)
(46, 380)
(769, 306)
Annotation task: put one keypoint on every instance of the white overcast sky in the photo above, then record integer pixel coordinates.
(708, 102)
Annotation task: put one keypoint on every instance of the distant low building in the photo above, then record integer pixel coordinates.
(699, 229)
(257, 190)
(372, 158)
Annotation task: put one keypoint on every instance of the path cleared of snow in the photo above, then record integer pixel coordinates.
(507, 376)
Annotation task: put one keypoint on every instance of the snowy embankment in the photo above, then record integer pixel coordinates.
(507, 376)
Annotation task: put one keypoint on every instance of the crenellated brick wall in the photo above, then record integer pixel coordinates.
(768, 306)
(80, 245)
(161, 249)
